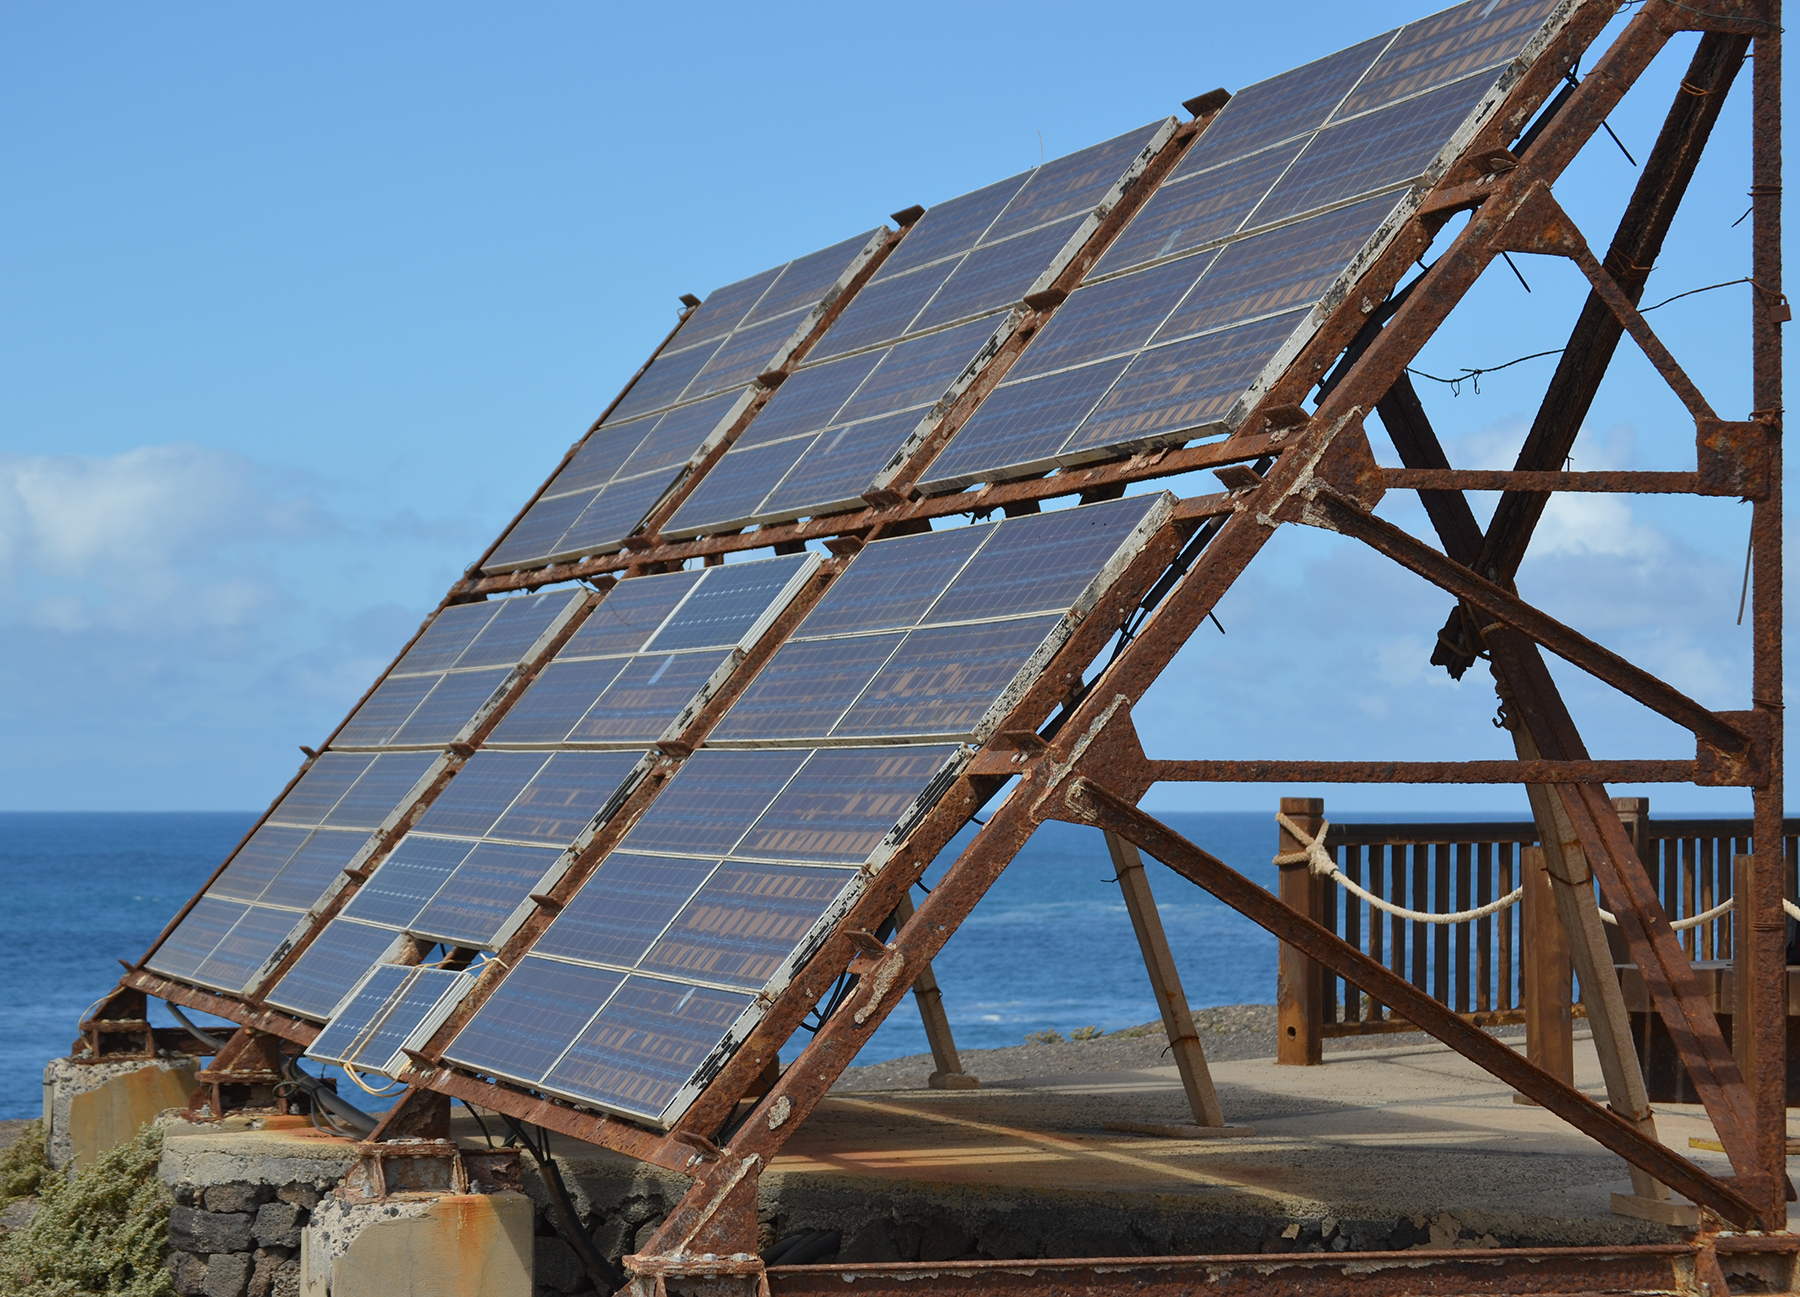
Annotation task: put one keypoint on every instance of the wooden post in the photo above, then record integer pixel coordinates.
(1634, 814)
(1299, 984)
(949, 1074)
(1165, 983)
(1549, 1020)
(1743, 966)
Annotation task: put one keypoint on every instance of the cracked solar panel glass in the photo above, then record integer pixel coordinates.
(427, 994)
(624, 907)
(518, 624)
(448, 711)
(745, 922)
(805, 688)
(1277, 271)
(384, 711)
(645, 1044)
(483, 892)
(996, 275)
(196, 936)
(479, 795)
(712, 801)
(726, 604)
(529, 1020)
(837, 467)
(953, 226)
(628, 616)
(1185, 389)
(1281, 107)
(1073, 185)
(1190, 213)
(1447, 46)
(892, 582)
(559, 804)
(322, 786)
(808, 401)
(387, 783)
(304, 879)
(1373, 152)
(845, 801)
(553, 703)
(1021, 427)
(330, 966)
(257, 862)
(943, 680)
(243, 950)
(647, 695)
(353, 1023)
(1040, 563)
(451, 631)
(403, 883)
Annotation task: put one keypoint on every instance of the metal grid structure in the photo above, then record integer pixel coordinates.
(1280, 418)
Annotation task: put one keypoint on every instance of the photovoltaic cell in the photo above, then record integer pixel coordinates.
(1071, 185)
(745, 921)
(451, 631)
(196, 936)
(604, 453)
(943, 680)
(257, 862)
(837, 468)
(1023, 426)
(252, 939)
(1448, 46)
(447, 712)
(338, 1042)
(808, 401)
(893, 582)
(517, 625)
(330, 966)
(1040, 562)
(917, 372)
(427, 993)
(403, 883)
(482, 893)
(677, 436)
(303, 880)
(1188, 214)
(560, 803)
(480, 794)
(664, 382)
(525, 1026)
(649, 693)
(629, 615)
(996, 275)
(644, 1045)
(1110, 319)
(730, 495)
(387, 783)
(535, 535)
(560, 696)
(624, 907)
(613, 515)
(724, 606)
(385, 711)
(844, 804)
(951, 227)
(806, 281)
(712, 801)
(805, 688)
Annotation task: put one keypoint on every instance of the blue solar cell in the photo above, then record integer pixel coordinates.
(256, 862)
(806, 281)
(679, 434)
(628, 615)
(196, 936)
(1113, 318)
(648, 695)
(406, 881)
(452, 709)
(384, 786)
(1188, 214)
(843, 803)
(664, 382)
(952, 227)
(807, 401)
(384, 711)
(556, 700)
(613, 515)
(478, 898)
(450, 631)
(731, 494)
(354, 1022)
(1447, 46)
(996, 275)
(646, 1044)
(712, 801)
(406, 1011)
(531, 1018)
(892, 582)
(743, 356)
(1021, 427)
(518, 624)
(323, 785)
(329, 966)
(835, 469)
(534, 537)
(805, 688)
(944, 680)
(314, 867)
(559, 804)
(726, 604)
(601, 456)
(1073, 185)
(621, 911)
(480, 794)
(243, 950)
(746, 922)
(1040, 563)
(917, 372)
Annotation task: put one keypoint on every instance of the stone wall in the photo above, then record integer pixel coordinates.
(238, 1240)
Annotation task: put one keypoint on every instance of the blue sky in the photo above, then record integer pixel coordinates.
(304, 302)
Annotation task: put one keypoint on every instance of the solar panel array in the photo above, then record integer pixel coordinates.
(550, 774)
(687, 399)
(391, 1009)
(912, 338)
(1222, 276)
(383, 757)
(738, 870)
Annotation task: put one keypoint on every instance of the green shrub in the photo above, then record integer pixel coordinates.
(1086, 1033)
(103, 1231)
(1048, 1036)
(25, 1165)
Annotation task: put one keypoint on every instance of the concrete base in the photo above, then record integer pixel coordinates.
(92, 1108)
(469, 1245)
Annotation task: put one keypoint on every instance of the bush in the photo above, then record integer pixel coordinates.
(1048, 1036)
(1086, 1033)
(103, 1231)
(25, 1165)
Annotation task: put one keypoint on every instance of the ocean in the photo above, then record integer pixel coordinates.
(1049, 947)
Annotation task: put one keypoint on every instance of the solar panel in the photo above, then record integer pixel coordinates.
(688, 398)
(658, 965)
(332, 963)
(393, 1007)
(930, 318)
(1292, 188)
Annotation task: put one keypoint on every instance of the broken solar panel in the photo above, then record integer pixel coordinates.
(568, 751)
(1222, 276)
(437, 694)
(394, 1008)
(912, 339)
(663, 960)
(688, 397)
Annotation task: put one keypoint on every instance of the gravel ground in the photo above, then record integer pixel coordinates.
(1234, 1031)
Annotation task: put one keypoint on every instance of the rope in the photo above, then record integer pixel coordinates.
(1695, 920)
(1313, 853)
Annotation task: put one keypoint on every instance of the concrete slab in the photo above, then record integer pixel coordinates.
(92, 1108)
(462, 1245)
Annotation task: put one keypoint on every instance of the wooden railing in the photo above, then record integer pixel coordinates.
(1481, 968)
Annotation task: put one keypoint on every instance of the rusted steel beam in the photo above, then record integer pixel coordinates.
(1425, 772)
(1636, 245)
(1624, 482)
(1334, 512)
(1086, 802)
(1652, 1268)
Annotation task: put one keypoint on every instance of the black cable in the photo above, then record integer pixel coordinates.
(478, 1121)
(607, 1277)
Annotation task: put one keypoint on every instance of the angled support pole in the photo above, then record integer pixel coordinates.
(947, 1067)
(1165, 983)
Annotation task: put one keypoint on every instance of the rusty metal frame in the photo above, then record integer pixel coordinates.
(1068, 750)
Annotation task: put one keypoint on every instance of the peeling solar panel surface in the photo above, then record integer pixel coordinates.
(569, 749)
(436, 694)
(1218, 279)
(650, 974)
(687, 398)
(921, 328)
